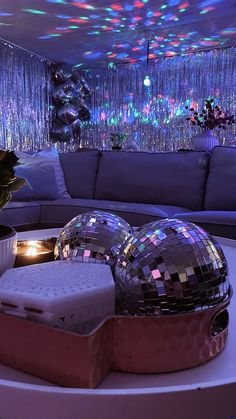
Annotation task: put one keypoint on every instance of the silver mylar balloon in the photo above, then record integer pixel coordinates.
(61, 75)
(84, 89)
(76, 102)
(61, 132)
(68, 88)
(76, 129)
(94, 236)
(76, 76)
(67, 74)
(59, 95)
(170, 267)
(84, 113)
(76, 125)
(67, 113)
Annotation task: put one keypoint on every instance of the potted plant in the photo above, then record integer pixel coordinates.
(211, 116)
(117, 140)
(8, 183)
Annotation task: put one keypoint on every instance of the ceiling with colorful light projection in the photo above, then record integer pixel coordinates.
(94, 33)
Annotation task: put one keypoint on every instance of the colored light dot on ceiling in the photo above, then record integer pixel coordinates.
(89, 7)
(138, 4)
(77, 65)
(5, 14)
(5, 24)
(57, 1)
(229, 31)
(184, 5)
(173, 2)
(73, 27)
(83, 5)
(128, 7)
(34, 11)
(164, 6)
(182, 10)
(117, 7)
(84, 17)
(63, 17)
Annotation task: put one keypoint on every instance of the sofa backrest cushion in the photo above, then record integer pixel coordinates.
(220, 188)
(157, 178)
(80, 170)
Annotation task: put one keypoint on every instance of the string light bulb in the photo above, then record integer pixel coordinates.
(147, 81)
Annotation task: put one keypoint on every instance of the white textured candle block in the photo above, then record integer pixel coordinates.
(69, 295)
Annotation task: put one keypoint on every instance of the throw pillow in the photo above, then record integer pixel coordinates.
(46, 158)
(41, 183)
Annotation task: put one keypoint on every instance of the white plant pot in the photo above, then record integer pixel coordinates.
(8, 248)
(205, 141)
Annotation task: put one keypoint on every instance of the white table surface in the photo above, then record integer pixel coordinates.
(205, 392)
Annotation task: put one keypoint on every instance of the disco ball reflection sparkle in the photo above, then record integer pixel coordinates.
(171, 267)
(94, 236)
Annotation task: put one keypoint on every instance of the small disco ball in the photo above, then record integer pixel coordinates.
(94, 236)
(171, 267)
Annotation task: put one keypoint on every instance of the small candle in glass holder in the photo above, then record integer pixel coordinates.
(34, 251)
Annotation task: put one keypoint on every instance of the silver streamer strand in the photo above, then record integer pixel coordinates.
(155, 116)
(25, 106)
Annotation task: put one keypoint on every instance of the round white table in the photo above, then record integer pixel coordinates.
(205, 392)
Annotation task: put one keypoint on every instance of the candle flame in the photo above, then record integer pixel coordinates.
(31, 251)
(33, 248)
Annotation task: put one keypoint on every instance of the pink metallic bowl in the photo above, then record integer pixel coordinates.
(121, 343)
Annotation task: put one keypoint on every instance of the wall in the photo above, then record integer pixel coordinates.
(155, 116)
(25, 98)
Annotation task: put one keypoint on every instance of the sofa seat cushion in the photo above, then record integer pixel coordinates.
(155, 178)
(80, 171)
(61, 211)
(218, 223)
(20, 213)
(211, 217)
(220, 188)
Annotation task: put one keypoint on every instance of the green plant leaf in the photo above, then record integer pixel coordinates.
(4, 197)
(17, 184)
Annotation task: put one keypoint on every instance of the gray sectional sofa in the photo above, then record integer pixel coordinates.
(141, 187)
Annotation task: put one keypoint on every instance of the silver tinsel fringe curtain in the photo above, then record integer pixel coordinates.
(155, 116)
(25, 98)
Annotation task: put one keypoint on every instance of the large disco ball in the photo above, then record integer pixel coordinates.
(94, 236)
(170, 267)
